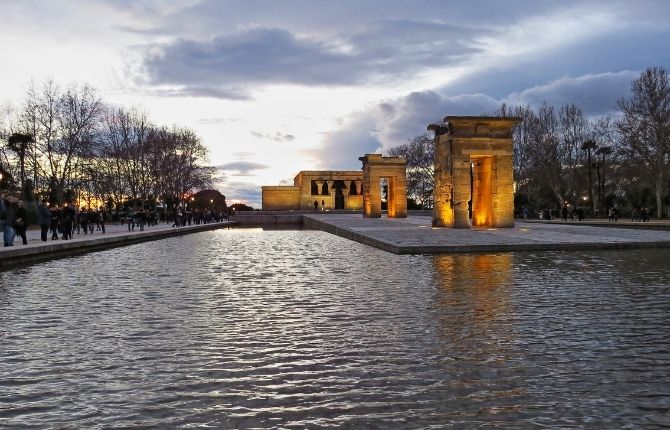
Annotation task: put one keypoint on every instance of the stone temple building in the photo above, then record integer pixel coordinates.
(474, 183)
(337, 189)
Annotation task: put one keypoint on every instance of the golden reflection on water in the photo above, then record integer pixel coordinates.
(474, 297)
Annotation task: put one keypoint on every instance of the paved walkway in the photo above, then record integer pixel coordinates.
(114, 236)
(110, 230)
(662, 224)
(415, 235)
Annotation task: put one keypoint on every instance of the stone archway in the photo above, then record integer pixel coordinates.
(376, 167)
(474, 183)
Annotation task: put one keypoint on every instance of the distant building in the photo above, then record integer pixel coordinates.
(341, 189)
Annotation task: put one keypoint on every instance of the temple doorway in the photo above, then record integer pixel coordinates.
(339, 194)
(392, 170)
(474, 181)
(481, 177)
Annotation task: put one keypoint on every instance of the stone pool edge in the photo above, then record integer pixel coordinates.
(318, 224)
(19, 255)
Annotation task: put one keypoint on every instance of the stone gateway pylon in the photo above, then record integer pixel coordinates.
(394, 169)
(474, 183)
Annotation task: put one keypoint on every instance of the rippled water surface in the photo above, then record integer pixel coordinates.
(302, 329)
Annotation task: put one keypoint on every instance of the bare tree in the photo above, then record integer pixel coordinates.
(419, 152)
(645, 128)
(18, 143)
(589, 146)
(522, 139)
(574, 131)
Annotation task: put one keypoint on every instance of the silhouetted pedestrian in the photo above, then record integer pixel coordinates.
(21, 222)
(8, 217)
(43, 219)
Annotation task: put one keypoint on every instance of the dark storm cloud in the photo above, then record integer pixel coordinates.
(594, 94)
(242, 168)
(208, 17)
(603, 57)
(342, 147)
(384, 50)
(391, 123)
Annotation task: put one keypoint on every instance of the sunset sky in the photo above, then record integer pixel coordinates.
(275, 87)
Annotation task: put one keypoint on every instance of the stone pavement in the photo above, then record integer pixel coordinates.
(110, 230)
(656, 224)
(114, 236)
(415, 235)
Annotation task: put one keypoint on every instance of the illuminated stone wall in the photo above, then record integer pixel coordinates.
(280, 198)
(473, 163)
(376, 167)
(337, 189)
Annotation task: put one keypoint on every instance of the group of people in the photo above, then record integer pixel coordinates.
(183, 217)
(61, 221)
(68, 219)
(13, 220)
(577, 213)
(640, 215)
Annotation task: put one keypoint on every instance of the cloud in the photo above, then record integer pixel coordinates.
(243, 168)
(210, 121)
(200, 91)
(391, 122)
(244, 154)
(277, 137)
(379, 52)
(245, 192)
(342, 147)
(594, 94)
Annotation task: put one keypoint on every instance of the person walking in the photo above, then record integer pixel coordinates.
(2, 214)
(82, 216)
(43, 220)
(55, 221)
(323, 205)
(21, 222)
(101, 219)
(9, 216)
(67, 220)
(131, 219)
(141, 218)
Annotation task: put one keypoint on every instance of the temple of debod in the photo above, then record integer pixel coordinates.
(474, 189)
(473, 179)
(474, 182)
(337, 189)
(394, 170)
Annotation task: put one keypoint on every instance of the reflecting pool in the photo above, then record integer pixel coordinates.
(303, 329)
